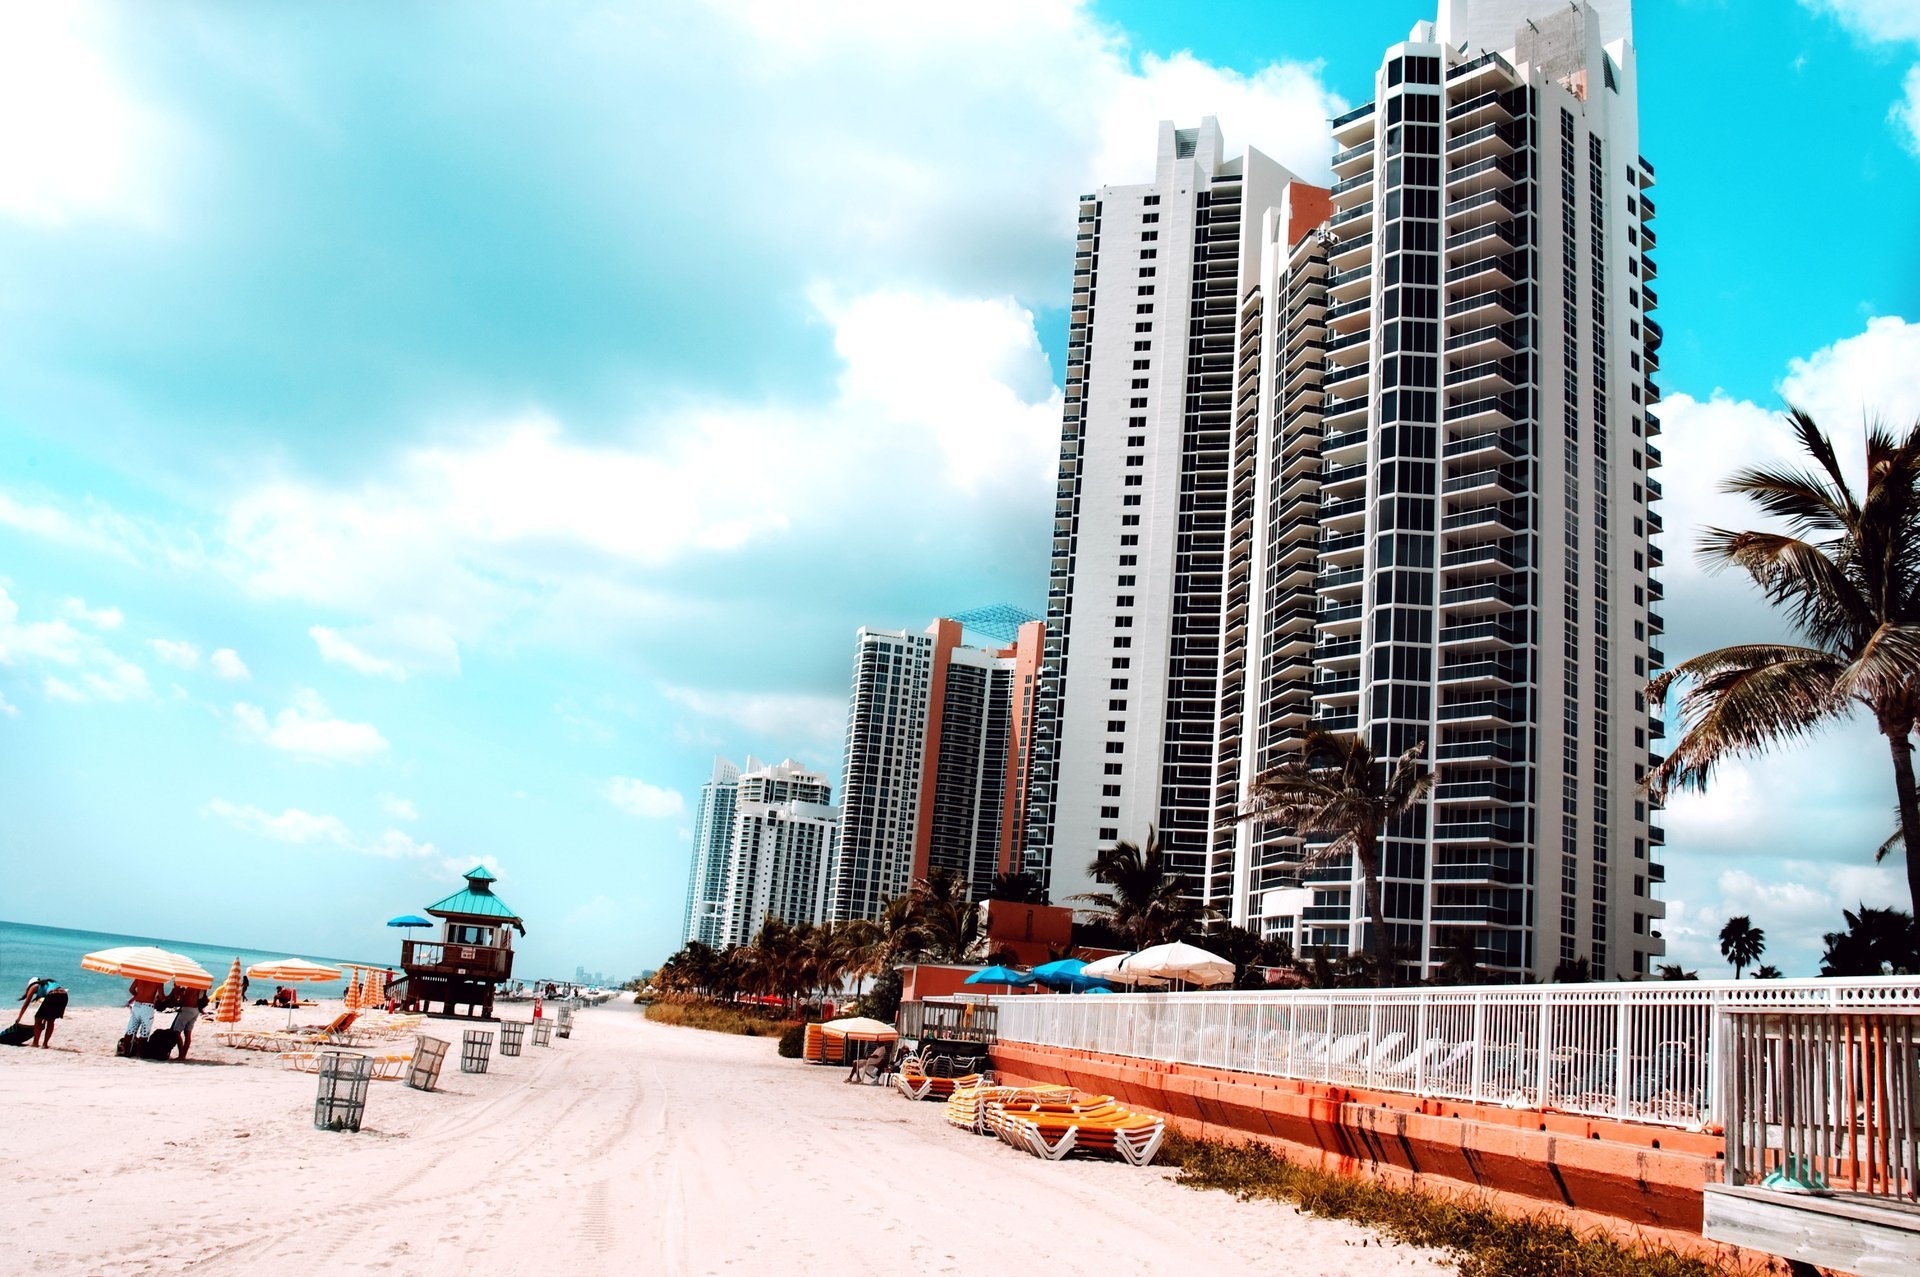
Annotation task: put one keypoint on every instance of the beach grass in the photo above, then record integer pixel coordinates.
(718, 1017)
(1481, 1241)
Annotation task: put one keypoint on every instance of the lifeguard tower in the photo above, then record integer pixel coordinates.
(474, 952)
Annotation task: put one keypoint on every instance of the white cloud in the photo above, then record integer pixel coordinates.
(105, 618)
(88, 668)
(291, 825)
(817, 720)
(307, 729)
(1886, 22)
(336, 649)
(75, 141)
(7, 708)
(399, 808)
(227, 664)
(176, 652)
(637, 797)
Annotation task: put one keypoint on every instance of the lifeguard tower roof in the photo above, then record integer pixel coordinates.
(476, 900)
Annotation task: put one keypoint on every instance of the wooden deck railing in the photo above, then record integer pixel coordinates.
(1822, 1099)
(948, 1021)
(472, 961)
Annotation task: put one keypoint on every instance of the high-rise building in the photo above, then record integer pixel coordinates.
(712, 843)
(785, 828)
(1385, 468)
(938, 763)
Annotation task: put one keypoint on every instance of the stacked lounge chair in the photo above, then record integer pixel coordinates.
(934, 1077)
(1093, 1124)
(967, 1106)
(386, 1068)
(814, 1044)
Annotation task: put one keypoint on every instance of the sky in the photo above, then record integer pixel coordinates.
(430, 434)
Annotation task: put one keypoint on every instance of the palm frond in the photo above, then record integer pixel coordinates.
(1737, 710)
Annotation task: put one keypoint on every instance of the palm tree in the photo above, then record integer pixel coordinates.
(1847, 576)
(1336, 786)
(1020, 888)
(1768, 972)
(1674, 971)
(1146, 903)
(1876, 942)
(944, 914)
(1742, 943)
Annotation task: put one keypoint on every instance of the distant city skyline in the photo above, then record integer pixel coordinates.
(416, 448)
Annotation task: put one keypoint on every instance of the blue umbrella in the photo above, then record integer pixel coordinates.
(409, 920)
(1000, 975)
(1100, 988)
(1061, 974)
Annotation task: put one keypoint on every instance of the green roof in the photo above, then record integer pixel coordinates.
(477, 900)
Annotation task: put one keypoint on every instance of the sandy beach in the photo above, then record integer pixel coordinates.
(632, 1147)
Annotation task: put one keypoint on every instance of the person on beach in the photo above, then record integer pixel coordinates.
(53, 1005)
(36, 987)
(191, 1002)
(140, 998)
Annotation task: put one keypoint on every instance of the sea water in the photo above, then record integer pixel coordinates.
(29, 952)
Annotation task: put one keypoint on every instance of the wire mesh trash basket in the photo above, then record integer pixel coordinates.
(476, 1048)
(566, 1022)
(510, 1035)
(428, 1055)
(342, 1097)
(543, 1032)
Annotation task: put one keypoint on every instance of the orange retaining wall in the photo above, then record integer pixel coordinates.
(1641, 1183)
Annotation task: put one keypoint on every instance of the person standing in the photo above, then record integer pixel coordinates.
(191, 1002)
(140, 999)
(53, 1006)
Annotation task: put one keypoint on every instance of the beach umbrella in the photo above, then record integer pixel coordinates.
(409, 920)
(1118, 969)
(1069, 974)
(230, 997)
(1099, 988)
(353, 1001)
(1182, 961)
(860, 1027)
(1000, 975)
(292, 971)
(144, 962)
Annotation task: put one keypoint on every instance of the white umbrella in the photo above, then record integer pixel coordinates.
(1182, 961)
(1119, 969)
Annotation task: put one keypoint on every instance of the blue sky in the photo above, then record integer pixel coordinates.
(429, 433)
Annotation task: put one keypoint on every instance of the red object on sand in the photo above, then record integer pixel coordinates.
(537, 1013)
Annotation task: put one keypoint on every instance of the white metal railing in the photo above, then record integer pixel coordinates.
(1638, 1052)
(1818, 1098)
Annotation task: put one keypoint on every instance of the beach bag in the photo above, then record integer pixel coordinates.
(16, 1035)
(160, 1044)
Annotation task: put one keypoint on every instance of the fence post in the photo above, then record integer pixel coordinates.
(1420, 1044)
(1479, 1042)
(1622, 1053)
(1541, 1069)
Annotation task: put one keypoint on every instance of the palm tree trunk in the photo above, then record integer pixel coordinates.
(1900, 745)
(1376, 910)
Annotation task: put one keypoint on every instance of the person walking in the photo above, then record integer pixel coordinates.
(53, 1006)
(191, 1002)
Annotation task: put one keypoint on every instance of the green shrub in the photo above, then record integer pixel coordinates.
(793, 1043)
(1483, 1242)
(718, 1017)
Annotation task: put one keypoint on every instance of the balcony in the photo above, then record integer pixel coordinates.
(1485, 598)
(1498, 236)
(1339, 414)
(1504, 831)
(1494, 173)
(1355, 124)
(1499, 271)
(1488, 71)
(1486, 671)
(1334, 445)
(1478, 747)
(1487, 377)
(1487, 108)
(1363, 178)
(1481, 791)
(1485, 141)
(1344, 161)
(1347, 216)
(1494, 341)
(1487, 411)
(1484, 518)
(1483, 636)
(1355, 250)
(1497, 483)
(1487, 206)
(1493, 306)
(1475, 560)
(1489, 447)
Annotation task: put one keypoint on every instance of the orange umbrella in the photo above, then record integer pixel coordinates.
(352, 1000)
(144, 962)
(230, 997)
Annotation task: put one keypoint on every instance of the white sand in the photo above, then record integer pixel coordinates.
(630, 1148)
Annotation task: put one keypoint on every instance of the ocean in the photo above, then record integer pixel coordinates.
(27, 952)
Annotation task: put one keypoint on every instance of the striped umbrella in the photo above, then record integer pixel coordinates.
(144, 962)
(376, 988)
(230, 997)
(352, 1000)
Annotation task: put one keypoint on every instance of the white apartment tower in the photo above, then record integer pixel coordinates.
(784, 833)
(712, 844)
(1125, 733)
(1414, 501)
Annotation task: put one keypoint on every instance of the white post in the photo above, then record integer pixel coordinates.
(1540, 1076)
(1622, 1041)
